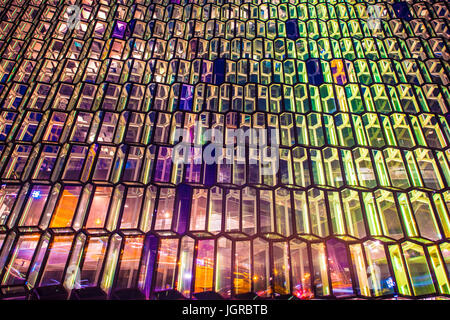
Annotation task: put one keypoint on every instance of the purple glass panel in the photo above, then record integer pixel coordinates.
(187, 93)
(148, 264)
(184, 195)
(119, 29)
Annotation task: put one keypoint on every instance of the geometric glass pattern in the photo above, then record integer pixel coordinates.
(92, 203)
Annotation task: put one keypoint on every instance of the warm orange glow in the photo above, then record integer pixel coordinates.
(65, 210)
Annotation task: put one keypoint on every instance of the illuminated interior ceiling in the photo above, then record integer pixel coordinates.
(352, 98)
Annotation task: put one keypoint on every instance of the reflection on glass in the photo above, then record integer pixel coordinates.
(58, 255)
(301, 271)
(223, 269)
(94, 256)
(320, 280)
(185, 266)
(204, 266)
(339, 267)
(17, 269)
(281, 268)
(242, 267)
(261, 267)
(166, 264)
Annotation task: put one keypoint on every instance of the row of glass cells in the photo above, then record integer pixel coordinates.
(424, 28)
(330, 167)
(247, 61)
(415, 17)
(301, 98)
(239, 264)
(293, 38)
(266, 72)
(308, 270)
(257, 49)
(282, 10)
(276, 98)
(265, 10)
(299, 166)
(245, 212)
(373, 130)
(259, 61)
(239, 48)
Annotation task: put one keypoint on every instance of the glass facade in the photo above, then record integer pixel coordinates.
(92, 93)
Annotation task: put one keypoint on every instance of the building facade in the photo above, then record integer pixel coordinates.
(283, 147)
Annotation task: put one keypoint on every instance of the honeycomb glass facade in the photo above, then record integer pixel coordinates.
(355, 93)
